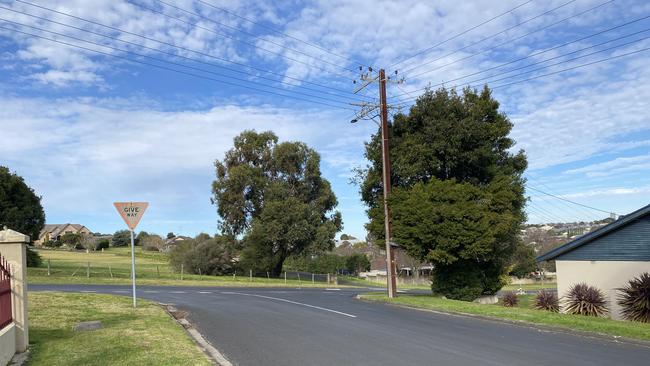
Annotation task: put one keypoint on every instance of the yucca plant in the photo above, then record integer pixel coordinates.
(583, 299)
(635, 299)
(510, 299)
(547, 300)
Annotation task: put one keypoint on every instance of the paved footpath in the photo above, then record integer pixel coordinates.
(272, 326)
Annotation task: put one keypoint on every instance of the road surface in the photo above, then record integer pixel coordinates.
(272, 326)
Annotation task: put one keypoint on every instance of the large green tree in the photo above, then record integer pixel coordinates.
(459, 193)
(273, 198)
(20, 207)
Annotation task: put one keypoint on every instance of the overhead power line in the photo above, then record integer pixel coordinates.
(167, 61)
(200, 16)
(407, 101)
(489, 79)
(490, 36)
(201, 53)
(426, 50)
(567, 200)
(277, 31)
(194, 59)
(197, 26)
(512, 40)
(174, 70)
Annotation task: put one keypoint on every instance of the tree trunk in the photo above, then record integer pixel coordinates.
(277, 268)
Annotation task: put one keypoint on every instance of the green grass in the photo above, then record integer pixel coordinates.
(535, 286)
(113, 266)
(355, 281)
(142, 336)
(522, 313)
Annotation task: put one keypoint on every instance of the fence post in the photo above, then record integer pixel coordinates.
(312, 278)
(13, 247)
(250, 275)
(328, 278)
(48, 267)
(87, 269)
(299, 283)
(200, 275)
(285, 277)
(181, 272)
(233, 275)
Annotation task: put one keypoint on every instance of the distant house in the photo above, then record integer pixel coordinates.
(172, 242)
(54, 232)
(605, 258)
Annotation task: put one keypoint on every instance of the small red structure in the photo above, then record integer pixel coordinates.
(5, 293)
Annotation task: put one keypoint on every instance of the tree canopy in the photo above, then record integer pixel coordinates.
(458, 189)
(272, 196)
(20, 207)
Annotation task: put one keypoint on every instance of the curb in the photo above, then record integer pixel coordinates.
(180, 317)
(524, 324)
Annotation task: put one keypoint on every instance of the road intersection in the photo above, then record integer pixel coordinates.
(277, 326)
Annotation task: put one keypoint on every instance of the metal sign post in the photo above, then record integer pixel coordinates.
(131, 213)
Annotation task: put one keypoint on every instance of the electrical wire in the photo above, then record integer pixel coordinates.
(556, 72)
(567, 200)
(426, 50)
(277, 31)
(490, 36)
(188, 58)
(200, 16)
(191, 24)
(167, 61)
(545, 51)
(511, 41)
(172, 69)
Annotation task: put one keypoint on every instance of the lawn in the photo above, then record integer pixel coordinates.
(143, 336)
(113, 266)
(534, 286)
(522, 313)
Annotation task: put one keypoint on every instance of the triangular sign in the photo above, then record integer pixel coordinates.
(131, 212)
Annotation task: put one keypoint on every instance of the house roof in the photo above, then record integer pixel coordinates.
(596, 234)
(56, 229)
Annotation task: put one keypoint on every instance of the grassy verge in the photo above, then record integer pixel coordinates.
(534, 286)
(522, 313)
(113, 267)
(144, 336)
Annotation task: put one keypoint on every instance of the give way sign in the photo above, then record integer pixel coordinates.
(131, 212)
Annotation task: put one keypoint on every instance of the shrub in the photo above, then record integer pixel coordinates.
(72, 240)
(510, 299)
(547, 300)
(635, 299)
(209, 257)
(102, 244)
(466, 280)
(52, 244)
(121, 238)
(33, 258)
(583, 299)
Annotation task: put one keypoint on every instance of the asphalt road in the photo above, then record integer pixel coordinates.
(265, 326)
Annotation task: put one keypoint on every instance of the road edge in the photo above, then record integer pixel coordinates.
(522, 323)
(208, 349)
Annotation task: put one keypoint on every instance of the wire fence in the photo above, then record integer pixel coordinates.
(163, 271)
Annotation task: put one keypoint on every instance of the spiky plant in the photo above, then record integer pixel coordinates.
(583, 299)
(546, 300)
(510, 299)
(635, 299)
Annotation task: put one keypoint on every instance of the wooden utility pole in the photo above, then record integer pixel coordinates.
(385, 152)
(365, 113)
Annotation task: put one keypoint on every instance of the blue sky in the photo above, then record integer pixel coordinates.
(86, 129)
